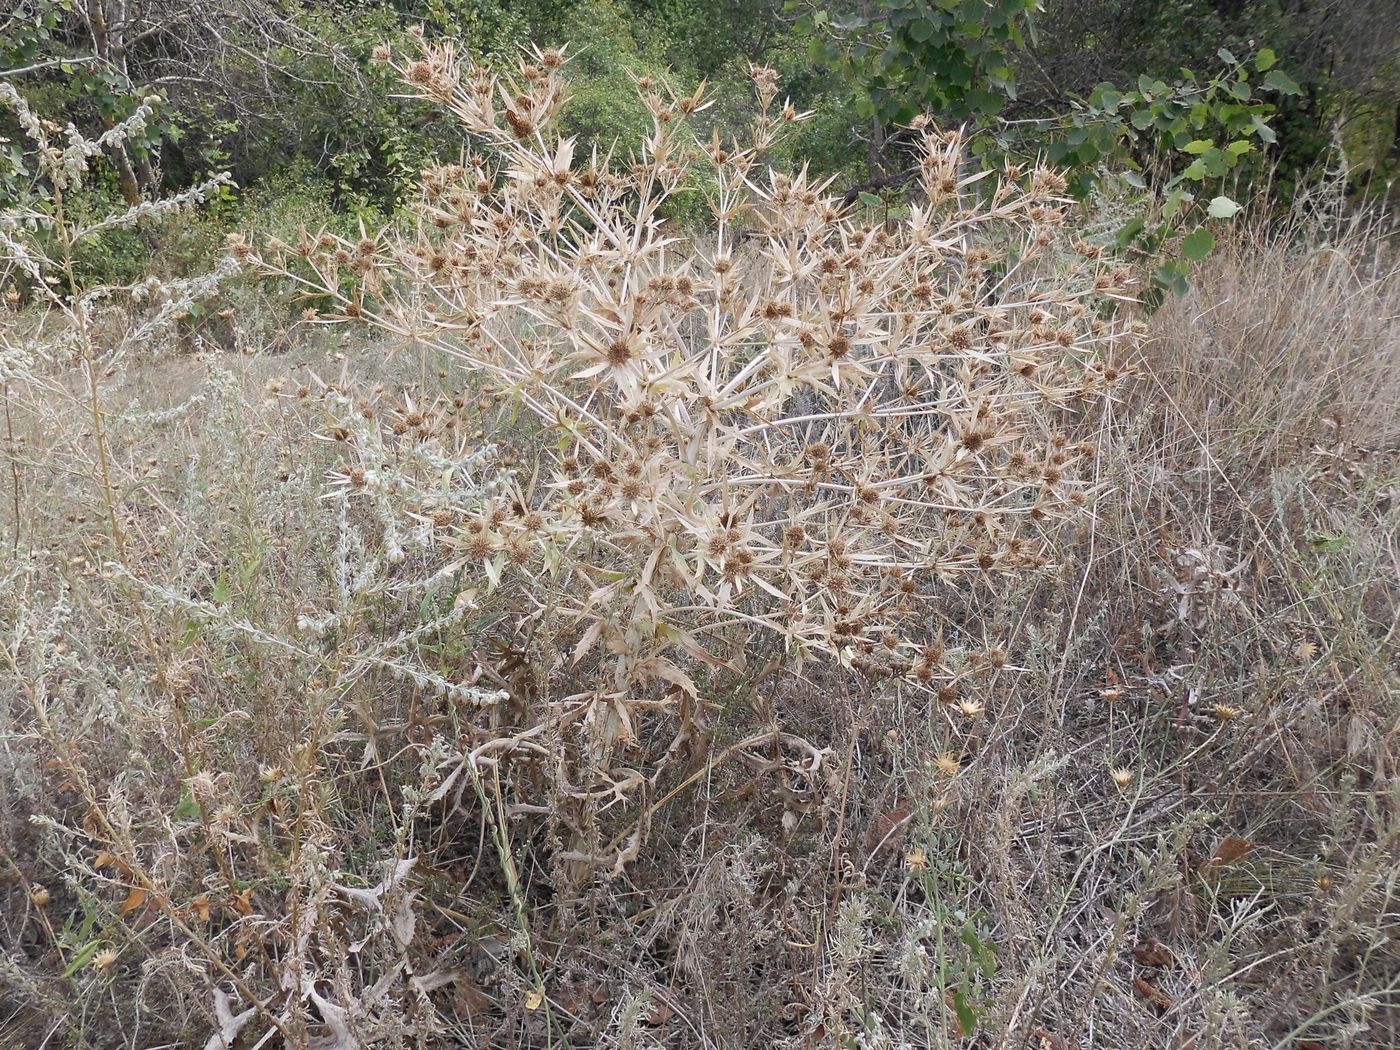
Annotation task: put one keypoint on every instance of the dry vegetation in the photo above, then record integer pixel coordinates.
(800, 634)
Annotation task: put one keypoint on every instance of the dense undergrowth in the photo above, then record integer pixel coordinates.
(814, 633)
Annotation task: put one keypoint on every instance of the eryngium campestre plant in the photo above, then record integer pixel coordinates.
(794, 424)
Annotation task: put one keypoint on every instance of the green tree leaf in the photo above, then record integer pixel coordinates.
(1197, 244)
(1222, 208)
(1279, 81)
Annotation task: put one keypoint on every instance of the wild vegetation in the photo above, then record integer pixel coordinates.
(637, 582)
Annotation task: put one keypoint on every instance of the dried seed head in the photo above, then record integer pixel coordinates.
(618, 353)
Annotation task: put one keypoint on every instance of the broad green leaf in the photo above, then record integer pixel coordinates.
(923, 30)
(188, 808)
(985, 103)
(1222, 208)
(1227, 56)
(1174, 200)
(1105, 96)
(190, 631)
(1171, 276)
(967, 1016)
(1265, 133)
(969, 937)
(1265, 59)
(1279, 81)
(1128, 233)
(1198, 146)
(1197, 244)
(1239, 147)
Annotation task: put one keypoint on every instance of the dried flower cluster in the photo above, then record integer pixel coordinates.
(796, 423)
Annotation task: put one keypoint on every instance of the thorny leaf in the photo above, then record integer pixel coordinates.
(399, 920)
(337, 1019)
(468, 1000)
(230, 1024)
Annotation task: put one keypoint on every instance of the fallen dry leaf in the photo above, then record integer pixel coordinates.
(659, 1011)
(1154, 995)
(887, 829)
(1152, 952)
(107, 859)
(135, 899)
(469, 999)
(1231, 849)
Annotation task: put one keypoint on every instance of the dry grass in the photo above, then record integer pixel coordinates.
(326, 719)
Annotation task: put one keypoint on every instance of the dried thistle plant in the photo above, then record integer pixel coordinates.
(794, 424)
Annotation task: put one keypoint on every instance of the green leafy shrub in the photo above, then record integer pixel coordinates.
(1179, 153)
(952, 58)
